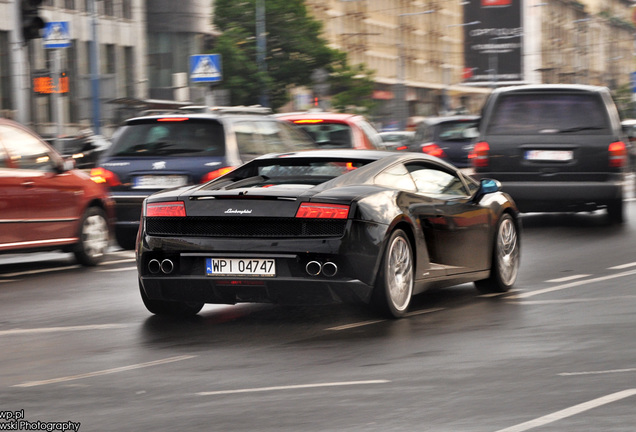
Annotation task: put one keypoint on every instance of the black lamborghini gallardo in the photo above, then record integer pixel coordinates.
(326, 226)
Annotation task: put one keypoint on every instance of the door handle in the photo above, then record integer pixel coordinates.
(28, 184)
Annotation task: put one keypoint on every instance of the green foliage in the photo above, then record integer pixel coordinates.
(352, 87)
(294, 50)
(623, 98)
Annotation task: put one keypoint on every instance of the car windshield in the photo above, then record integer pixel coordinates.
(549, 113)
(329, 135)
(164, 137)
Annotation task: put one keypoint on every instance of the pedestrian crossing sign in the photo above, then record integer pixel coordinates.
(56, 35)
(205, 68)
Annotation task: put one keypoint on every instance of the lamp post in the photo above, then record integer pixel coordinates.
(400, 87)
(94, 67)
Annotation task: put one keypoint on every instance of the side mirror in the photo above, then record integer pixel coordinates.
(490, 186)
(487, 186)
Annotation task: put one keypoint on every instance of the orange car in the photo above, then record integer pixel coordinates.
(47, 204)
(337, 130)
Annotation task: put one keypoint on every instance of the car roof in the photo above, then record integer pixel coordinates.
(205, 112)
(443, 119)
(551, 88)
(320, 115)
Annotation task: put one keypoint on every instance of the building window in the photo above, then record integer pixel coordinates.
(109, 9)
(127, 9)
(109, 57)
(129, 74)
(69, 4)
(5, 72)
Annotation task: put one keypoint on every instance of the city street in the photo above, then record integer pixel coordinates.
(556, 354)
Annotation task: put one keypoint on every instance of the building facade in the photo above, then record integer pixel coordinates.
(141, 50)
(425, 47)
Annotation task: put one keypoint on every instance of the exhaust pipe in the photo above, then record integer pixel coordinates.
(313, 268)
(329, 269)
(167, 266)
(154, 267)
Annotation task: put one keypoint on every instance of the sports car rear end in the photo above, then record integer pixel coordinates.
(259, 240)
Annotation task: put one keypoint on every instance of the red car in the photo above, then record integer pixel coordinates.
(47, 204)
(337, 130)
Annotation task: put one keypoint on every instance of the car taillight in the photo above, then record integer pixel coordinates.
(166, 209)
(216, 173)
(479, 155)
(103, 176)
(617, 154)
(322, 211)
(433, 150)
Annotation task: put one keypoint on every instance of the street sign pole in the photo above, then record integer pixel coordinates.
(57, 37)
(58, 111)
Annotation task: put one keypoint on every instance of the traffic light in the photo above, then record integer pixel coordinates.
(32, 23)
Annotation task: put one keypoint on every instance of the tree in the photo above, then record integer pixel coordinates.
(352, 87)
(295, 49)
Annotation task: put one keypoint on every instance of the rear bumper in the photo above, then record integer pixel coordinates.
(563, 196)
(200, 289)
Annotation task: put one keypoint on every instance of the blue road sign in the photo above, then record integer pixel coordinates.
(205, 68)
(56, 35)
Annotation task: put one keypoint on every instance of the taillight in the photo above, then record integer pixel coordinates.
(103, 176)
(322, 211)
(479, 155)
(617, 154)
(166, 209)
(215, 174)
(433, 150)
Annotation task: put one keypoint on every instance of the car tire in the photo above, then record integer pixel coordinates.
(505, 258)
(394, 284)
(93, 237)
(126, 238)
(615, 211)
(169, 308)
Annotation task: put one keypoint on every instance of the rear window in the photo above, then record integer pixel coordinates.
(460, 130)
(165, 137)
(549, 113)
(281, 171)
(329, 135)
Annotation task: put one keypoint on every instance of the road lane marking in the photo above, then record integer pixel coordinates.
(105, 263)
(499, 294)
(292, 387)
(569, 412)
(571, 285)
(117, 269)
(354, 325)
(574, 300)
(365, 323)
(623, 266)
(106, 371)
(31, 272)
(569, 278)
(422, 312)
(20, 331)
(611, 371)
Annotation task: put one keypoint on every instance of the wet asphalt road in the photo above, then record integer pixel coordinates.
(556, 354)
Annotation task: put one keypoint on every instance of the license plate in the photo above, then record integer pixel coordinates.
(159, 182)
(550, 155)
(240, 267)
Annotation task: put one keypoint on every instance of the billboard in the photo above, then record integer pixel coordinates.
(493, 49)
